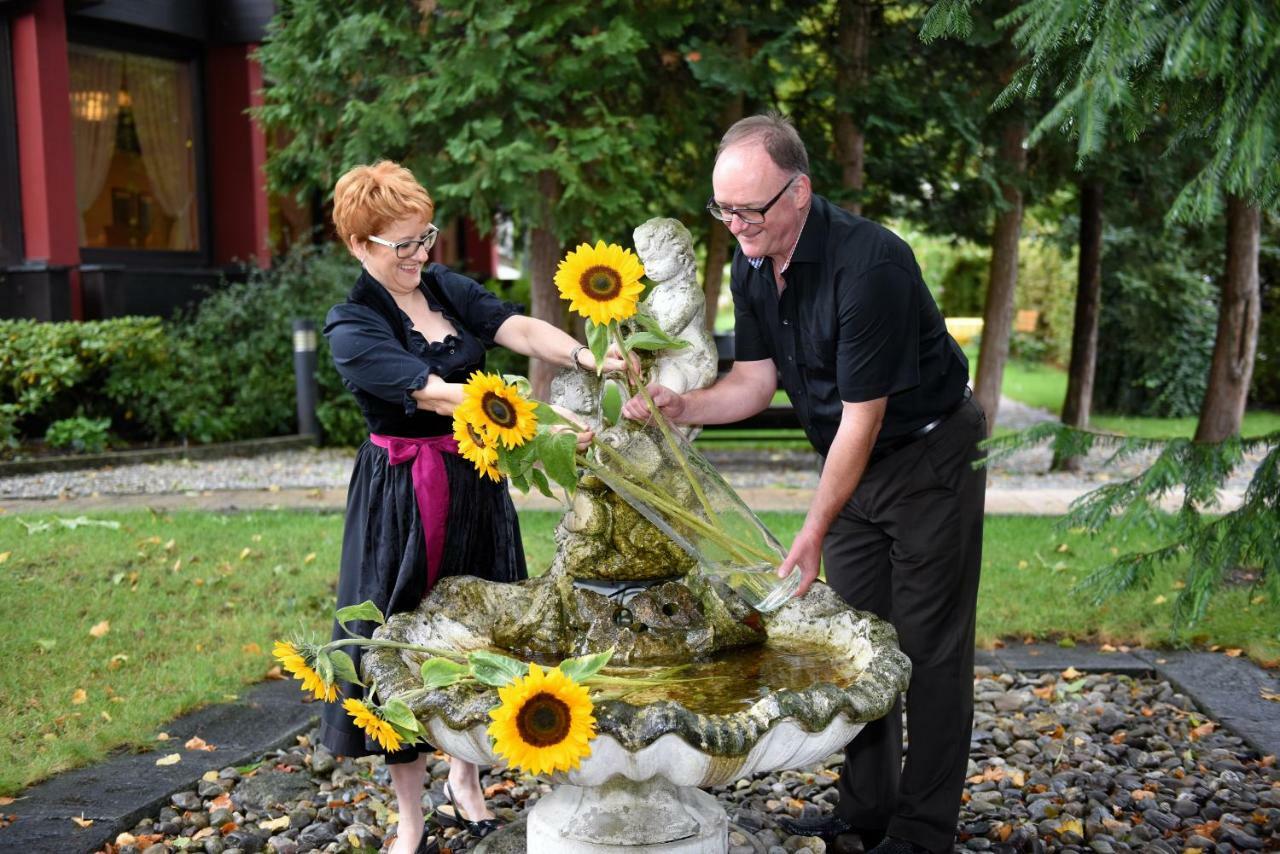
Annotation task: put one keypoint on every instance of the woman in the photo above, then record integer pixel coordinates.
(404, 342)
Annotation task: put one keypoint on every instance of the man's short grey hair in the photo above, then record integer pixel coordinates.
(778, 136)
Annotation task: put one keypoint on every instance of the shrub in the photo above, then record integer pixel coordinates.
(1157, 324)
(86, 435)
(93, 370)
(1266, 368)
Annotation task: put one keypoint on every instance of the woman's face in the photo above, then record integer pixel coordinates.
(398, 275)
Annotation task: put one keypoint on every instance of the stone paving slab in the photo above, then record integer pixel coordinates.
(119, 791)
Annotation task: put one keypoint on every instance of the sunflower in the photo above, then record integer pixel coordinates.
(497, 411)
(472, 446)
(601, 283)
(368, 720)
(299, 663)
(544, 722)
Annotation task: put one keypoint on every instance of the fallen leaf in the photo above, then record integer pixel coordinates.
(79, 697)
(251, 649)
(169, 545)
(171, 759)
(221, 802)
(177, 564)
(244, 553)
(1159, 600)
(209, 776)
(1071, 673)
(275, 672)
(1071, 825)
(1268, 760)
(203, 833)
(1235, 653)
(1063, 548)
(1106, 647)
(503, 786)
(309, 558)
(1022, 564)
(1202, 730)
(1004, 832)
(117, 660)
(162, 736)
(230, 826)
(1044, 693)
(100, 629)
(1142, 795)
(4, 556)
(198, 743)
(1017, 777)
(5, 801)
(274, 824)
(82, 821)
(126, 838)
(106, 716)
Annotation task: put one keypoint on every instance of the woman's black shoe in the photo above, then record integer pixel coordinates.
(478, 829)
(428, 845)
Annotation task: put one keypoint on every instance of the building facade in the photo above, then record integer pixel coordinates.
(131, 172)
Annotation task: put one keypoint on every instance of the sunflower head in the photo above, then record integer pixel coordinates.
(601, 283)
(472, 446)
(300, 660)
(371, 721)
(544, 722)
(497, 411)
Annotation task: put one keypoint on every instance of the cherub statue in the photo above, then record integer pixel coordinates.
(677, 303)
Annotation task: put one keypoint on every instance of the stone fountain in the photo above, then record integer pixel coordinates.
(757, 691)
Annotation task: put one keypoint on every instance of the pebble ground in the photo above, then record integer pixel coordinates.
(1064, 762)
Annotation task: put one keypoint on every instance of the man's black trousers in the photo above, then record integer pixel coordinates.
(908, 547)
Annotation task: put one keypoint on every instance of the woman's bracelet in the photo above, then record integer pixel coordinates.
(573, 356)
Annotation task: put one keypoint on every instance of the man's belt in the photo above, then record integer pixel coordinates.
(897, 443)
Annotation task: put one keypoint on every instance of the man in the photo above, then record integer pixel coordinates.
(836, 306)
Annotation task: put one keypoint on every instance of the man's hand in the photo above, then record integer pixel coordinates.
(805, 556)
(669, 403)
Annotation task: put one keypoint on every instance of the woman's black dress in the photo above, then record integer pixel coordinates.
(383, 360)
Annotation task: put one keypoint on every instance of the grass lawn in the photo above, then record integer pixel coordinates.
(1044, 386)
(109, 633)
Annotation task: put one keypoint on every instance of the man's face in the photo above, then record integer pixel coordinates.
(746, 177)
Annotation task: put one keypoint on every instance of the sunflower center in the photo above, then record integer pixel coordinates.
(601, 283)
(498, 410)
(543, 720)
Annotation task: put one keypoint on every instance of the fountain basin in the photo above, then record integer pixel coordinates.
(638, 790)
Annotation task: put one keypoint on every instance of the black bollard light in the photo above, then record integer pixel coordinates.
(304, 377)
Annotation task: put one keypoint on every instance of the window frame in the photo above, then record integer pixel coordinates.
(12, 246)
(181, 51)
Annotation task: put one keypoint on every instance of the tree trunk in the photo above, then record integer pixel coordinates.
(1084, 336)
(997, 316)
(544, 300)
(851, 75)
(1238, 316)
(717, 234)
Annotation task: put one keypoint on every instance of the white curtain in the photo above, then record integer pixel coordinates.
(161, 93)
(95, 108)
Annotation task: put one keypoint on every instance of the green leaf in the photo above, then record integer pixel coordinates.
(366, 610)
(653, 341)
(548, 416)
(344, 667)
(1073, 687)
(540, 481)
(399, 715)
(611, 403)
(441, 672)
(558, 459)
(598, 341)
(495, 669)
(585, 666)
(519, 480)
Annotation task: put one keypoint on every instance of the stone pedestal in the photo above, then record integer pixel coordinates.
(626, 815)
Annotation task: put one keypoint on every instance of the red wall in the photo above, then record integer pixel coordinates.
(50, 220)
(237, 157)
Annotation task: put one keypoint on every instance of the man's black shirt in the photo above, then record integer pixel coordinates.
(855, 322)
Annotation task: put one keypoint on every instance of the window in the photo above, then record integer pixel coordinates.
(10, 210)
(134, 132)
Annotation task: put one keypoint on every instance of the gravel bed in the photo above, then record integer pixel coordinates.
(1060, 762)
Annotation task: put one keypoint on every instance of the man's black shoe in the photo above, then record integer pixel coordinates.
(855, 842)
(893, 845)
(826, 827)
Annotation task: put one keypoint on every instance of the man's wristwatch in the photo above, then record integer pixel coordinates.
(573, 356)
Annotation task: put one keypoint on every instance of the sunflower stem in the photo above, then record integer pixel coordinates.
(669, 507)
(658, 418)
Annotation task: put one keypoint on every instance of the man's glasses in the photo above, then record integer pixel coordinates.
(751, 216)
(408, 248)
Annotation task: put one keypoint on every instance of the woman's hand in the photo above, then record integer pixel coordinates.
(439, 396)
(613, 361)
(585, 434)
